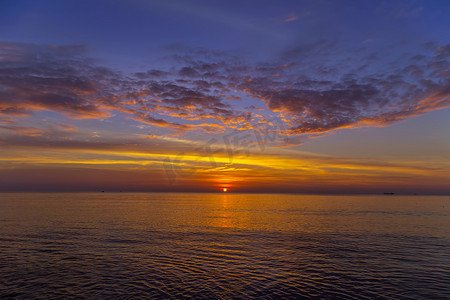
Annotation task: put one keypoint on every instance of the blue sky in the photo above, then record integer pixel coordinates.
(166, 77)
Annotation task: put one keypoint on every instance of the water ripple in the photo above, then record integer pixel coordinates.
(86, 254)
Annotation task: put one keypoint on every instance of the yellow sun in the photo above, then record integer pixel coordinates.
(224, 189)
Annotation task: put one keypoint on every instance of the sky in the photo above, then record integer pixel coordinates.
(253, 96)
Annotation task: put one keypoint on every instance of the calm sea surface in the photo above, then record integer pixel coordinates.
(221, 246)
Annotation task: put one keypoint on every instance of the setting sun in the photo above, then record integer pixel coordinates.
(224, 189)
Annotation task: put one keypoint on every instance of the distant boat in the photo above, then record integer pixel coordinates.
(389, 193)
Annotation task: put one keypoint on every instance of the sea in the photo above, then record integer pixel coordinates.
(223, 246)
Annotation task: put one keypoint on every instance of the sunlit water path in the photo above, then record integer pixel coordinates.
(221, 246)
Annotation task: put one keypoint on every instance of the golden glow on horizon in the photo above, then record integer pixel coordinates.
(258, 170)
(241, 165)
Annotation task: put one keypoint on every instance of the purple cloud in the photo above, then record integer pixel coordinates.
(209, 90)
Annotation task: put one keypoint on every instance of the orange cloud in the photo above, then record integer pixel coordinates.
(207, 88)
(21, 130)
(291, 18)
